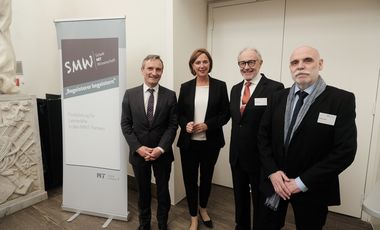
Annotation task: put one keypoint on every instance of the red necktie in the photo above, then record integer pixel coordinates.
(246, 96)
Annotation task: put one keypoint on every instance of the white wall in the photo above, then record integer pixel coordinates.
(35, 42)
(373, 170)
(190, 33)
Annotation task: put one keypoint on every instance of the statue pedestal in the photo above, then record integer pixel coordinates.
(21, 171)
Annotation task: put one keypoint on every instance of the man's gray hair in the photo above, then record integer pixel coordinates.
(253, 50)
(152, 57)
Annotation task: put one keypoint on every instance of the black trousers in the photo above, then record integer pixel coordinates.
(309, 213)
(246, 192)
(202, 156)
(161, 171)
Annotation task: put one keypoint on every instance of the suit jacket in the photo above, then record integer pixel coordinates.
(318, 152)
(243, 146)
(217, 113)
(135, 125)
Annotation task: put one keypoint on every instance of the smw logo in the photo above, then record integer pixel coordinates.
(88, 60)
(83, 63)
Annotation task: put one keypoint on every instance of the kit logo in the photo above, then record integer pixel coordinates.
(100, 175)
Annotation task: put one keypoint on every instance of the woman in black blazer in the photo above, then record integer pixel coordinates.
(203, 109)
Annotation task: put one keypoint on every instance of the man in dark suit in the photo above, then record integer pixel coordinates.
(149, 122)
(248, 102)
(307, 138)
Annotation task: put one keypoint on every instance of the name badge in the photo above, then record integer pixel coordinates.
(261, 101)
(327, 119)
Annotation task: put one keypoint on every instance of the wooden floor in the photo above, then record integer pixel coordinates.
(49, 215)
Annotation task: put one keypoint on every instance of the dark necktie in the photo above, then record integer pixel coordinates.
(246, 96)
(301, 96)
(149, 110)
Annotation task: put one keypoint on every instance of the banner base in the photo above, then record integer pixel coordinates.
(108, 216)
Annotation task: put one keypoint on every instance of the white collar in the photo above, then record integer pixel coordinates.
(145, 88)
(254, 80)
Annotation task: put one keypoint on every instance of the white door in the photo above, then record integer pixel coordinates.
(233, 28)
(347, 40)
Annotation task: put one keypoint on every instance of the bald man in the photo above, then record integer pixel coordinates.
(307, 137)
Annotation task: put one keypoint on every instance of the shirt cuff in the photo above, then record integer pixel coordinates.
(300, 184)
(161, 149)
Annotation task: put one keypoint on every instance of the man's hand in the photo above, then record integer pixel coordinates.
(292, 186)
(200, 127)
(189, 127)
(156, 153)
(278, 180)
(144, 152)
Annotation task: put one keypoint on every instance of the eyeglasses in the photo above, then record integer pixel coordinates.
(251, 63)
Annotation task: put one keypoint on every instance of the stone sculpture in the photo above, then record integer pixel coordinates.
(7, 55)
(21, 173)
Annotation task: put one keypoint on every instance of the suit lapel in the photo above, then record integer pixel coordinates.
(258, 90)
(312, 110)
(140, 104)
(211, 95)
(160, 103)
(191, 97)
(280, 116)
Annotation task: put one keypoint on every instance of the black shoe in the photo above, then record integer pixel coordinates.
(144, 227)
(162, 227)
(207, 223)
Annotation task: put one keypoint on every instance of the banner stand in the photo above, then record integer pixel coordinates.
(95, 155)
(105, 225)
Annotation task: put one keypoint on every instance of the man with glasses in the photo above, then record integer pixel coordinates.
(248, 102)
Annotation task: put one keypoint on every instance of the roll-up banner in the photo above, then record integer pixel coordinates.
(92, 59)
